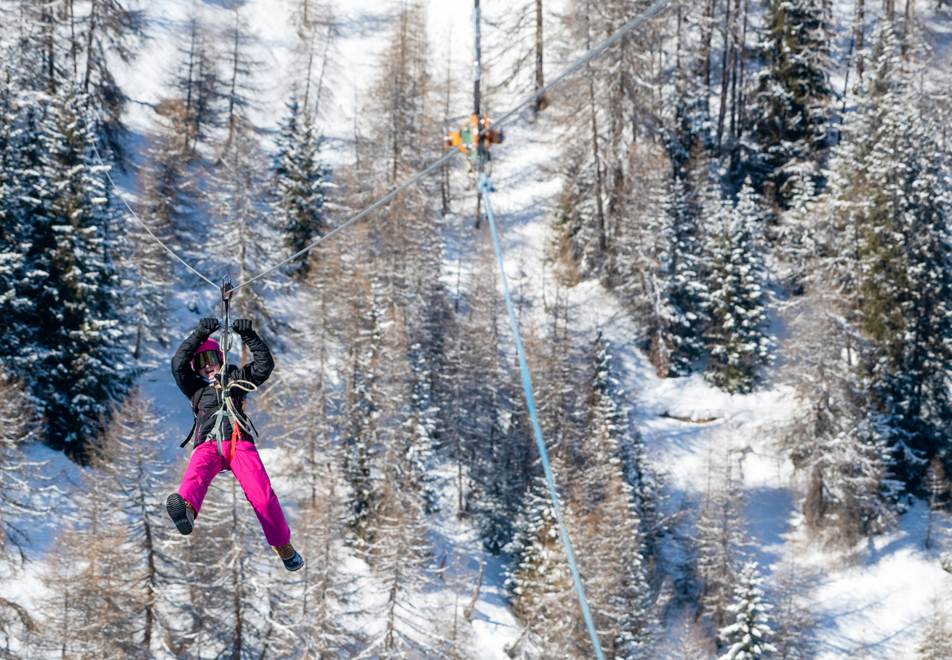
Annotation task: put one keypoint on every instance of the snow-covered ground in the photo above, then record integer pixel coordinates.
(870, 606)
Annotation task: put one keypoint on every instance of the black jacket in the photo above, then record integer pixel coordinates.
(206, 398)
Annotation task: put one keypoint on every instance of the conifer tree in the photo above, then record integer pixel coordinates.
(720, 537)
(197, 83)
(748, 637)
(222, 570)
(14, 224)
(127, 459)
(17, 425)
(829, 439)
(609, 541)
(237, 86)
(73, 285)
(538, 582)
(90, 610)
(106, 31)
(100, 578)
(309, 607)
(483, 413)
(148, 270)
(245, 234)
(793, 619)
(684, 289)
(398, 555)
(893, 201)
(935, 639)
(300, 177)
(791, 105)
(736, 336)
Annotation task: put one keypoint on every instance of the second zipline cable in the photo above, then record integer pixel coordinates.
(485, 187)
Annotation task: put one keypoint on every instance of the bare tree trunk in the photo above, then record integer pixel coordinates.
(48, 20)
(599, 184)
(540, 103)
(89, 44)
(736, 58)
(707, 30)
(906, 27)
(73, 45)
(860, 28)
(725, 73)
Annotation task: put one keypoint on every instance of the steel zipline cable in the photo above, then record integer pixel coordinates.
(595, 52)
(105, 168)
(620, 34)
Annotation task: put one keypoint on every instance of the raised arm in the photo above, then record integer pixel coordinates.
(185, 376)
(262, 364)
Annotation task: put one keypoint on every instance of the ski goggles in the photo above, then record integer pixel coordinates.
(203, 359)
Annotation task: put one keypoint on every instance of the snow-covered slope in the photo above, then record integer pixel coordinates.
(869, 604)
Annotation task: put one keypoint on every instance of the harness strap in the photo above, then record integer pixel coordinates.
(228, 409)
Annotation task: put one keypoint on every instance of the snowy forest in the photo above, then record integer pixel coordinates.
(730, 246)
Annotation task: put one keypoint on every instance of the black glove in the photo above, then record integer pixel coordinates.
(242, 327)
(208, 326)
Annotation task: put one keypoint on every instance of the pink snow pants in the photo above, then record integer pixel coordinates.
(205, 465)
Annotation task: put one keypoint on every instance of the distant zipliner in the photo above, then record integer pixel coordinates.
(473, 139)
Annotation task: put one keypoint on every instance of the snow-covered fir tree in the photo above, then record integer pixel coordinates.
(484, 414)
(684, 289)
(791, 105)
(300, 176)
(737, 336)
(893, 204)
(76, 363)
(609, 494)
(539, 583)
(748, 636)
(828, 438)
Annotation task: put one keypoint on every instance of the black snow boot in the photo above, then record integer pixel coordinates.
(181, 513)
(292, 560)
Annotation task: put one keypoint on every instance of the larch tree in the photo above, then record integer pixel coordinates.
(197, 82)
(106, 30)
(721, 536)
(538, 582)
(828, 438)
(485, 415)
(935, 638)
(18, 421)
(127, 459)
(245, 233)
(609, 495)
(793, 619)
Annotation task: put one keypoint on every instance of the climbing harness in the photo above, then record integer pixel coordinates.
(228, 410)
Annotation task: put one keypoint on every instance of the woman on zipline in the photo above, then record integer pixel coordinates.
(222, 437)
